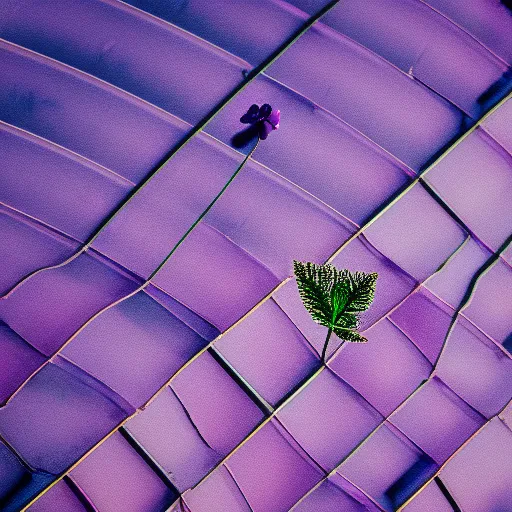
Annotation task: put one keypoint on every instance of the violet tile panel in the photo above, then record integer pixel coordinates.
(272, 471)
(425, 320)
(490, 23)
(479, 475)
(134, 348)
(215, 278)
(83, 114)
(63, 413)
(162, 64)
(330, 498)
(277, 222)
(419, 41)
(393, 284)
(476, 369)
(56, 186)
(428, 499)
(180, 311)
(218, 493)
(26, 246)
(475, 180)
(59, 497)
(437, 420)
(51, 306)
(269, 352)
(498, 125)
(388, 467)
(219, 408)
(329, 419)
(395, 365)
(452, 281)
(396, 112)
(416, 233)
(252, 33)
(317, 151)
(491, 304)
(19, 359)
(166, 432)
(288, 299)
(115, 474)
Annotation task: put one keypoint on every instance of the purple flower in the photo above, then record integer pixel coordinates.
(264, 118)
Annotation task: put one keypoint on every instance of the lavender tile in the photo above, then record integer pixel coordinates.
(134, 347)
(232, 28)
(491, 304)
(271, 470)
(420, 42)
(396, 367)
(400, 115)
(57, 187)
(269, 352)
(83, 114)
(475, 180)
(161, 64)
(388, 467)
(63, 417)
(115, 473)
(452, 282)
(27, 246)
(425, 320)
(479, 475)
(416, 233)
(50, 307)
(476, 369)
(437, 420)
(329, 419)
(167, 433)
(221, 485)
(219, 408)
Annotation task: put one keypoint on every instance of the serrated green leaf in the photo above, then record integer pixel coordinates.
(334, 298)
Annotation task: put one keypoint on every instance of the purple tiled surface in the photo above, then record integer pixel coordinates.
(201, 389)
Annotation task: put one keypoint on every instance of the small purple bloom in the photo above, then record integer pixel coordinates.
(264, 118)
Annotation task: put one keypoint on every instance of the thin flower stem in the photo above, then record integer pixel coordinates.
(324, 351)
(208, 208)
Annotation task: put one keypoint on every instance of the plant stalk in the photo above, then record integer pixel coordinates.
(208, 208)
(324, 351)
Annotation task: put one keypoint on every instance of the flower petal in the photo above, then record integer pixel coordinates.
(251, 116)
(265, 110)
(264, 129)
(274, 118)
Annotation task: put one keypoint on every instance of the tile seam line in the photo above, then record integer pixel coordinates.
(196, 129)
(80, 494)
(448, 150)
(465, 31)
(171, 27)
(239, 88)
(62, 151)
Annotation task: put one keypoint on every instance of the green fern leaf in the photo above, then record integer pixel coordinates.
(335, 298)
